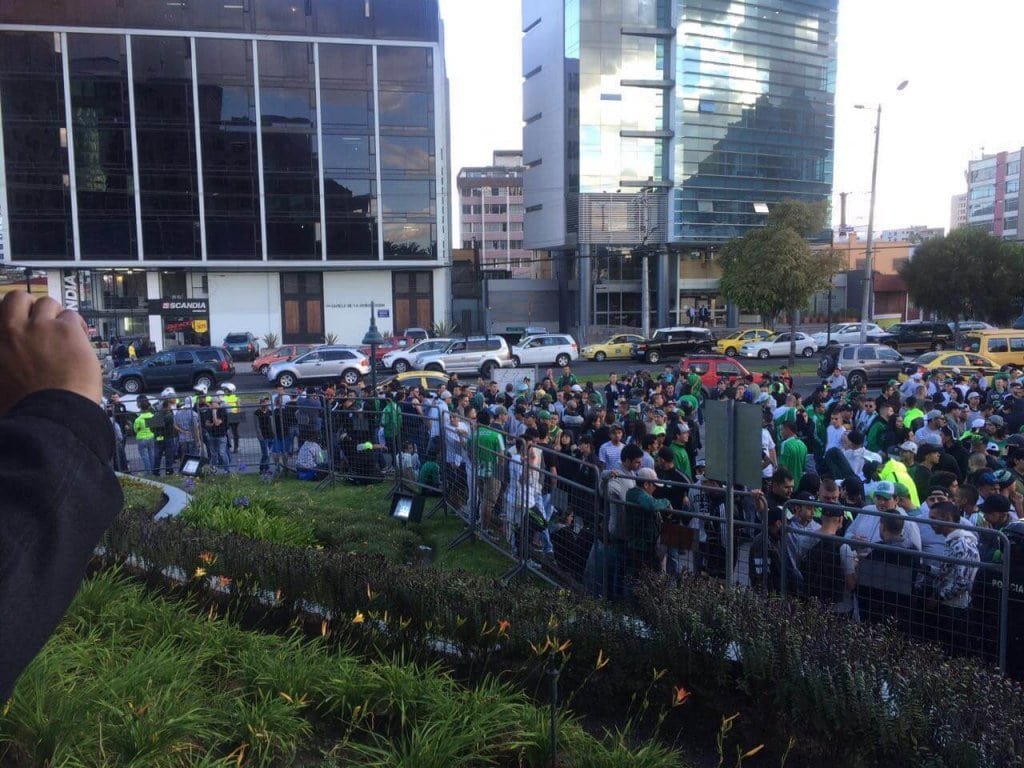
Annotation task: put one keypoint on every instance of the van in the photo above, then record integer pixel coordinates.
(1003, 346)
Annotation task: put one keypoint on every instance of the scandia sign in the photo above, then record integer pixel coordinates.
(69, 289)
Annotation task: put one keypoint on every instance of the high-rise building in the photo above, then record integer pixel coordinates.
(185, 169)
(491, 202)
(656, 130)
(993, 194)
(957, 211)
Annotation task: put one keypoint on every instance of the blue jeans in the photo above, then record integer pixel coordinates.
(265, 446)
(219, 454)
(146, 450)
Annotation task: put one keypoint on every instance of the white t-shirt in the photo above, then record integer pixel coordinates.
(767, 445)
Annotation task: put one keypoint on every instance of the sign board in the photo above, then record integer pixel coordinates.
(515, 377)
(384, 313)
(176, 307)
(746, 442)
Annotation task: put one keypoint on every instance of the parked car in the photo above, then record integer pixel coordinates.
(730, 345)
(618, 347)
(391, 344)
(967, 362)
(425, 380)
(401, 360)
(180, 367)
(325, 363)
(419, 334)
(915, 336)
(469, 355)
(1004, 347)
(711, 368)
(972, 325)
(279, 355)
(778, 346)
(242, 345)
(863, 363)
(847, 333)
(558, 348)
(666, 343)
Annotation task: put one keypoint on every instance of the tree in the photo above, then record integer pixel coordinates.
(774, 269)
(966, 274)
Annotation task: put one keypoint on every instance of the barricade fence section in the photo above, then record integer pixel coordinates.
(935, 580)
(553, 512)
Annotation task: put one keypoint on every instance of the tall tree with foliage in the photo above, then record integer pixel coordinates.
(967, 274)
(774, 269)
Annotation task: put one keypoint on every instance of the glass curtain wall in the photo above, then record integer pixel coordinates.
(290, 158)
(35, 146)
(227, 124)
(103, 146)
(165, 130)
(405, 78)
(349, 151)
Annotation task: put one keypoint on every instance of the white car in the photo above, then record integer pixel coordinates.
(778, 346)
(846, 333)
(546, 348)
(402, 360)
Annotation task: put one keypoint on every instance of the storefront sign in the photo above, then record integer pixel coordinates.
(383, 313)
(179, 307)
(69, 289)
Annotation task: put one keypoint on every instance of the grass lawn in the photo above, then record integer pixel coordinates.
(129, 679)
(352, 518)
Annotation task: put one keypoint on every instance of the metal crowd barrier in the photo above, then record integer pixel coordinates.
(882, 577)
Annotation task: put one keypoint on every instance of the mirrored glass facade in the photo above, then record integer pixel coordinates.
(144, 138)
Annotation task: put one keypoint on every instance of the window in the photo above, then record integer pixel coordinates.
(728, 369)
(867, 353)
(1012, 186)
(183, 358)
(997, 345)
(1017, 343)
(1010, 222)
(955, 360)
(888, 354)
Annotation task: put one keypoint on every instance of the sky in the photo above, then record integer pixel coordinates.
(964, 96)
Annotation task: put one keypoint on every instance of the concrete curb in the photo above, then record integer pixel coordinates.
(177, 499)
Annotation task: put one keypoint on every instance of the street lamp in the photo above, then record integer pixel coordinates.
(374, 340)
(866, 301)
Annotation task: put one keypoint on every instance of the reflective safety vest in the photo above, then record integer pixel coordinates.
(231, 401)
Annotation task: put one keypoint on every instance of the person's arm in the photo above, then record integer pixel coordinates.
(55, 472)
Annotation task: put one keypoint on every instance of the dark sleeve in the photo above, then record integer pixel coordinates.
(60, 494)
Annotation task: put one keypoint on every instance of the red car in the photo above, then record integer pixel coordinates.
(390, 345)
(712, 368)
(278, 355)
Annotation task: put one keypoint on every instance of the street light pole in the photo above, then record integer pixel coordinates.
(645, 287)
(867, 301)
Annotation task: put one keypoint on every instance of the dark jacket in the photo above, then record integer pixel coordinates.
(60, 495)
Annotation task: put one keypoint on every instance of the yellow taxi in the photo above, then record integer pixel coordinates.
(730, 345)
(967, 363)
(423, 379)
(618, 347)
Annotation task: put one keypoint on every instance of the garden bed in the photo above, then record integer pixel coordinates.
(131, 679)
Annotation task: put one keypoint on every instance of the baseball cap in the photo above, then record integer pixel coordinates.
(973, 395)
(987, 478)
(646, 473)
(1003, 477)
(684, 427)
(615, 426)
(933, 414)
(909, 446)
(545, 415)
(996, 420)
(577, 388)
(977, 423)
(884, 489)
(804, 496)
(899, 489)
(893, 383)
(992, 448)
(996, 502)
(168, 392)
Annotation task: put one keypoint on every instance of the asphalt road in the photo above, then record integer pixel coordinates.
(246, 381)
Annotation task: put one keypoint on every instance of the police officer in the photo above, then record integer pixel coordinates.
(233, 413)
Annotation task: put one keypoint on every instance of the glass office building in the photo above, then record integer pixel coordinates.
(281, 163)
(672, 124)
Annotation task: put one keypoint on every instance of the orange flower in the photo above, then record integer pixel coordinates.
(679, 695)
(752, 752)
(358, 618)
(207, 557)
(200, 572)
(323, 628)
(503, 626)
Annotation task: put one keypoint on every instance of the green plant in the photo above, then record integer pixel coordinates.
(270, 339)
(263, 518)
(444, 328)
(331, 338)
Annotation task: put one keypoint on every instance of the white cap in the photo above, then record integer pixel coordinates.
(977, 424)
(168, 392)
(577, 388)
(200, 388)
(219, 393)
(229, 387)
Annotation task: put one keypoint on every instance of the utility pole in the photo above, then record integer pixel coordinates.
(645, 287)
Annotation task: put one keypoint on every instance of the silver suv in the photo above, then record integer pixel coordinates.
(476, 353)
(401, 360)
(325, 363)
